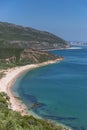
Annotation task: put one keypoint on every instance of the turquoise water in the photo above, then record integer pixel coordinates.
(59, 89)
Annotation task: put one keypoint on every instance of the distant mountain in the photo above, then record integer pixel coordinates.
(26, 37)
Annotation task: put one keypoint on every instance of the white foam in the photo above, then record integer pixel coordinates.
(75, 48)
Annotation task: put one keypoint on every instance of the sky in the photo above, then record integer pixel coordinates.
(64, 18)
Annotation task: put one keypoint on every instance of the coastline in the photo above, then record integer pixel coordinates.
(9, 79)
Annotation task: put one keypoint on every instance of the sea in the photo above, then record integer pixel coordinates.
(58, 91)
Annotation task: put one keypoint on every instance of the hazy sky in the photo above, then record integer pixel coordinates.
(65, 18)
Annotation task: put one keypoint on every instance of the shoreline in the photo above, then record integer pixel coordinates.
(9, 79)
(6, 83)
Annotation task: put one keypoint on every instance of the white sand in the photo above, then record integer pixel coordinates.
(8, 80)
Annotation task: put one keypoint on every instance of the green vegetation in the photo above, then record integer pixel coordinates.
(11, 120)
(11, 57)
(13, 43)
(18, 36)
(19, 45)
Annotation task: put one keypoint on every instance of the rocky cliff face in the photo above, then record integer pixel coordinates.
(26, 37)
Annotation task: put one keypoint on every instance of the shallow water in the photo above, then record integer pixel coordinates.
(58, 91)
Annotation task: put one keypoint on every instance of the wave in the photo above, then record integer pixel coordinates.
(75, 48)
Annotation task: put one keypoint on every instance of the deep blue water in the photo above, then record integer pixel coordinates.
(59, 89)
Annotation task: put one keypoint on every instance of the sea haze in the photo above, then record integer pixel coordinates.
(58, 91)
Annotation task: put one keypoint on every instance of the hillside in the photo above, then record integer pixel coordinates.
(12, 120)
(26, 37)
(10, 57)
(21, 46)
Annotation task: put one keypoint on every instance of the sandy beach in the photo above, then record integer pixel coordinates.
(9, 79)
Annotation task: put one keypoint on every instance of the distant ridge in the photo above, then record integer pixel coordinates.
(26, 37)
